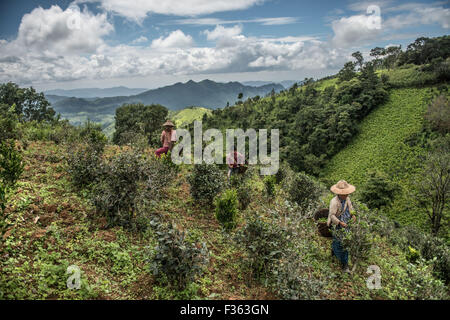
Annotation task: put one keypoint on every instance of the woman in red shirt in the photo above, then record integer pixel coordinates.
(168, 138)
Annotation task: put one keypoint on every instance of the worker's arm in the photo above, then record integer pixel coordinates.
(332, 212)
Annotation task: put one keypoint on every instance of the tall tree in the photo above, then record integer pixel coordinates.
(359, 58)
(433, 186)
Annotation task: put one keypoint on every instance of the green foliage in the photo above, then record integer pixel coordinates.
(381, 146)
(269, 183)
(206, 181)
(292, 281)
(226, 209)
(303, 190)
(412, 254)
(438, 114)
(316, 122)
(420, 284)
(356, 238)
(347, 72)
(241, 183)
(30, 105)
(184, 117)
(93, 135)
(132, 119)
(424, 50)
(175, 260)
(117, 189)
(84, 165)
(428, 247)
(378, 191)
(11, 167)
(8, 122)
(264, 243)
(129, 186)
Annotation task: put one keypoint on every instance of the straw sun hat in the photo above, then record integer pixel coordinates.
(168, 123)
(342, 187)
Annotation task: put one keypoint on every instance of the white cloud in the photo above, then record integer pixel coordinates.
(215, 21)
(354, 30)
(47, 50)
(139, 40)
(420, 15)
(62, 32)
(139, 9)
(176, 39)
(221, 32)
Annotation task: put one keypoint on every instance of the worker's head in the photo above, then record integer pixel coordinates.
(168, 125)
(342, 189)
(343, 196)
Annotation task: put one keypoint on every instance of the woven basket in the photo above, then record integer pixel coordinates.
(324, 230)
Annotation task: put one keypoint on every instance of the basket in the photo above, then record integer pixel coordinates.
(324, 230)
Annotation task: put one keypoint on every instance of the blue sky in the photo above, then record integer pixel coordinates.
(102, 43)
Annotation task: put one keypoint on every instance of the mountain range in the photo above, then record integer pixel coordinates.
(206, 93)
(96, 92)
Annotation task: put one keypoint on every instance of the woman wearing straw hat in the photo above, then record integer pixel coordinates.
(339, 215)
(168, 138)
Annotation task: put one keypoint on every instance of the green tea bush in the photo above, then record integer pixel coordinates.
(430, 248)
(269, 183)
(118, 188)
(283, 171)
(175, 260)
(420, 284)
(264, 243)
(356, 239)
(226, 209)
(11, 167)
(378, 191)
(84, 165)
(303, 190)
(206, 181)
(93, 135)
(241, 184)
(8, 122)
(291, 279)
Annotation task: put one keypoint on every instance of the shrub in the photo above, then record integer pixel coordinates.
(420, 284)
(378, 191)
(115, 194)
(243, 189)
(438, 114)
(11, 167)
(8, 122)
(269, 183)
(206, 181)
(303, 190)
(292, 281)
(356, 239)
(283, 171)
(226, 209)
(93, 135)
(176, 261)
(84, 165)
(264, 243)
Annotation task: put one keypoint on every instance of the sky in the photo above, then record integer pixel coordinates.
(151, 43)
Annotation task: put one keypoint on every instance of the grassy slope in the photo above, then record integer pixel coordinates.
(188, 115)
(54, 226)
(379, 145)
